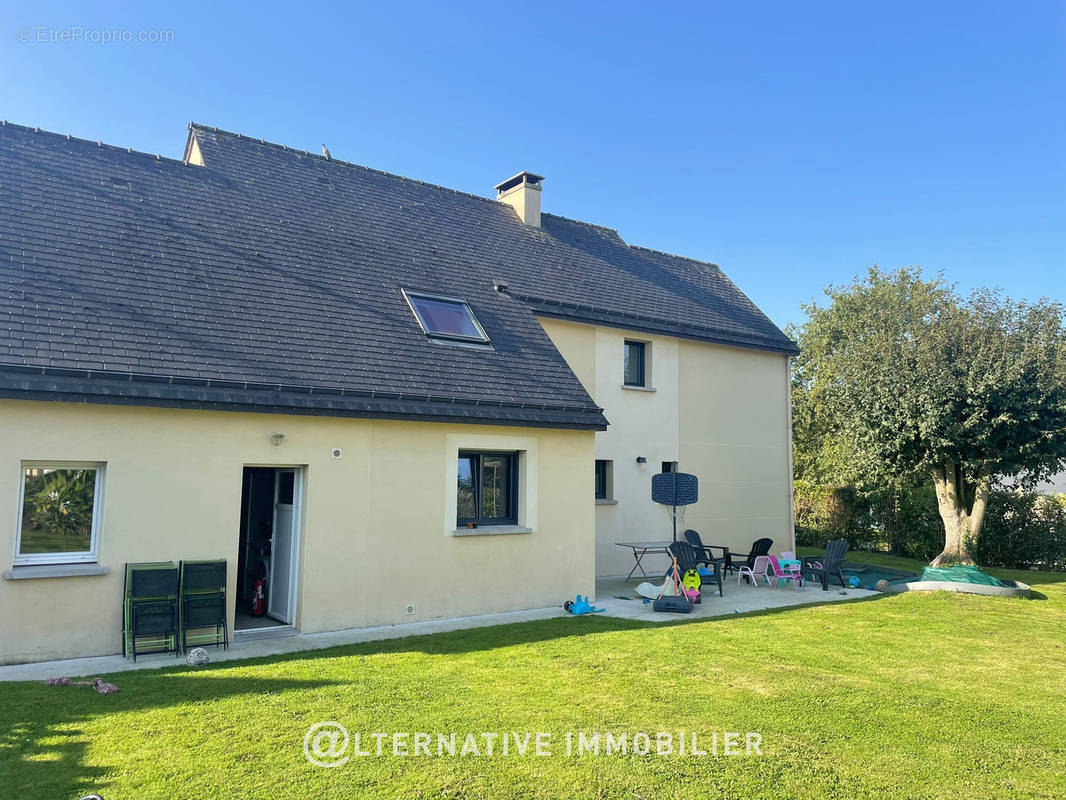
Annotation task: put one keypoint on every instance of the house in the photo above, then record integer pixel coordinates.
(388, 400)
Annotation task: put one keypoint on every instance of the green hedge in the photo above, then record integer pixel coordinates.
(828, 512)
(1024, 530)
(1020, 530)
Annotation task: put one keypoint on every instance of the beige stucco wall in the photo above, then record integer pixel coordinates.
(377, 527)
(735, 434)
(723, 413)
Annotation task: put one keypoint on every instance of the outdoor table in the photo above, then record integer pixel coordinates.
(641, 549)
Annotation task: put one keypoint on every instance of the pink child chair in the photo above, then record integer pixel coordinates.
(782, 575)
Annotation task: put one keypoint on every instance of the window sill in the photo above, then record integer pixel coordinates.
(491, 530)
(639, 388)
(31, 571)
(604, 501)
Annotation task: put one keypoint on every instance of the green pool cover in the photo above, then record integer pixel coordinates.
(960, 574)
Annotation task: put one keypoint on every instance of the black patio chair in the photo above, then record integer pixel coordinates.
(822, 567)
(203, 604)
(705, 556)
(150, 614)
(688, 558)
(705, 552)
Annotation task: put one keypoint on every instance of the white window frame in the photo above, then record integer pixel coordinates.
(90, 557)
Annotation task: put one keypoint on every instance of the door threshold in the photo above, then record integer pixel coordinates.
(270, 632)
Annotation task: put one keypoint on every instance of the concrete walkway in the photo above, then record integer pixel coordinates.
(253, 646)
(738, 599)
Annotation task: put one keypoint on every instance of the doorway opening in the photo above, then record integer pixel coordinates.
(269, 547)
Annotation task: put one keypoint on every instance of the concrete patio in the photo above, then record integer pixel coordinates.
(740, 599)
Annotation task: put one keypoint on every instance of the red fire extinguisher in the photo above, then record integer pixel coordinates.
(258, 598)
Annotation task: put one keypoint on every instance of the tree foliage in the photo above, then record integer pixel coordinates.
(901, 379)
(60, 501)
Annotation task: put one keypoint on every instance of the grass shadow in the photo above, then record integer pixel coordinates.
(43, 747)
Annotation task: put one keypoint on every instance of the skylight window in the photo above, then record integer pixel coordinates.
(445, 317)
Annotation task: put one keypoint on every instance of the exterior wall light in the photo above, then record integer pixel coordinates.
(642, 460)
(276, 439)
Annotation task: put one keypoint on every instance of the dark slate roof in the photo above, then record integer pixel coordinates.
(269, 279)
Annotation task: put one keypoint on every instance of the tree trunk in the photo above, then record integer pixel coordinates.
(962, 506)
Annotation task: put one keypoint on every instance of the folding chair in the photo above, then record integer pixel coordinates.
(203, 604)
(150, 609)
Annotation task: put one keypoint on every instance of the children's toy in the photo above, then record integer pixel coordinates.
(581, 606)
(677, 602)
(854, 582)
(690, 585)
(673, 605)
(670, 586)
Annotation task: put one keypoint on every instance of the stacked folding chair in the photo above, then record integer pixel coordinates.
(150, 609)
(203, 604)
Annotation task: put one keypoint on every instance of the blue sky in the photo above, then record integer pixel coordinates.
(794, 144)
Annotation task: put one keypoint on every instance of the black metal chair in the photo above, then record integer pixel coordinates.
(822, 567)
(203, 604)
(705, 556)
(705, 552)
(150, 614)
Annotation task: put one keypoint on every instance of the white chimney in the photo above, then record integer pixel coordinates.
(522, 193)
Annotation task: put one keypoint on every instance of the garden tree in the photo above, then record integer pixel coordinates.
(900, 378)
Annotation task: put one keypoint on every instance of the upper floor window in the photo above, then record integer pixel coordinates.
(60, 513)
(635, 367)
(669, 466)
(445, 317)
(488, 488)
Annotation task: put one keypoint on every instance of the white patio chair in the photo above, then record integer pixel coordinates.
(757, 569)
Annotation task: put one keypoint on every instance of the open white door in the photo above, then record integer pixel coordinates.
(281, 597)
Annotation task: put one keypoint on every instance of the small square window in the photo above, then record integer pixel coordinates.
(635, 368)
(488, 488)
(604, 480)
(445, 317)
(60, 513)
(669, 466)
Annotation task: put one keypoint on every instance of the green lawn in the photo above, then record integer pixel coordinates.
(43, 540)
(904, 696)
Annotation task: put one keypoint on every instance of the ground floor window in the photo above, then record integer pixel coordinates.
(488, 488)
(60, 513)
(604, 480)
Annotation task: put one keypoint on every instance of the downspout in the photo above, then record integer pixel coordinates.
(788, 429)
